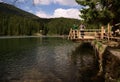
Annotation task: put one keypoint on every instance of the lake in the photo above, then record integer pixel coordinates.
(46, 59)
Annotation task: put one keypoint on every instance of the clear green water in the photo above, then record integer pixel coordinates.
(43, 59)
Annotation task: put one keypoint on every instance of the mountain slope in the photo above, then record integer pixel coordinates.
(6, 9)
(14, 21)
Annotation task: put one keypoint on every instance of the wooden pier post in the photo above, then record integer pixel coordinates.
(73, 34)
(108, 31)
(102, 32)
(78, 33)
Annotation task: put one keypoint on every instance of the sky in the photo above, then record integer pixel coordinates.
(49, 8)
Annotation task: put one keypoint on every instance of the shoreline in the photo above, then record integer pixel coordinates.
(33, 36)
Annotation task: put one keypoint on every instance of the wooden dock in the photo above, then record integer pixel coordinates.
(89, 35)
(92, 34)
(85, 39)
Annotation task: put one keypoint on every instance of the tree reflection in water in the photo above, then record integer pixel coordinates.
(83, 57)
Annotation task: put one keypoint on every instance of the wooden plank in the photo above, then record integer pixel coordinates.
(92, 30)
(102, 32)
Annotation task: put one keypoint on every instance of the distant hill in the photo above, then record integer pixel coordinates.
(12, 10)
(14, 21)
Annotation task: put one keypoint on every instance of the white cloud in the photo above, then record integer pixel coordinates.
(61, 2)
(43, 2)
(67, 13)
(66, 2)
(43, 14)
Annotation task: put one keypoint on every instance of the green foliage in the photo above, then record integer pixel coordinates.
(100, 11)
(61, 26)
(16, 25)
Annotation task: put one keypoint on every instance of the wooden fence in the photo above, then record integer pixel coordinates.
(97, 33)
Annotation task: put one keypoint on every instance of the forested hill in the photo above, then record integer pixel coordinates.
(7, 9)
(14, 21)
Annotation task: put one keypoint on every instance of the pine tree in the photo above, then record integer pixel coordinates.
(100, 11)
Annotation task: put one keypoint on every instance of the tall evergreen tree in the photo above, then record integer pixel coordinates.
(100, 11)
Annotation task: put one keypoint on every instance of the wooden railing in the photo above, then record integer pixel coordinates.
(75, 33)
(92, 30)
(108, 34)
(97, 33)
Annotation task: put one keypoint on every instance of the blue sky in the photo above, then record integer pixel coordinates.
(50, 8)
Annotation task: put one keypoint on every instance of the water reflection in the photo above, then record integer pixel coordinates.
(16, 55)
(45, 60)
(85, 63)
